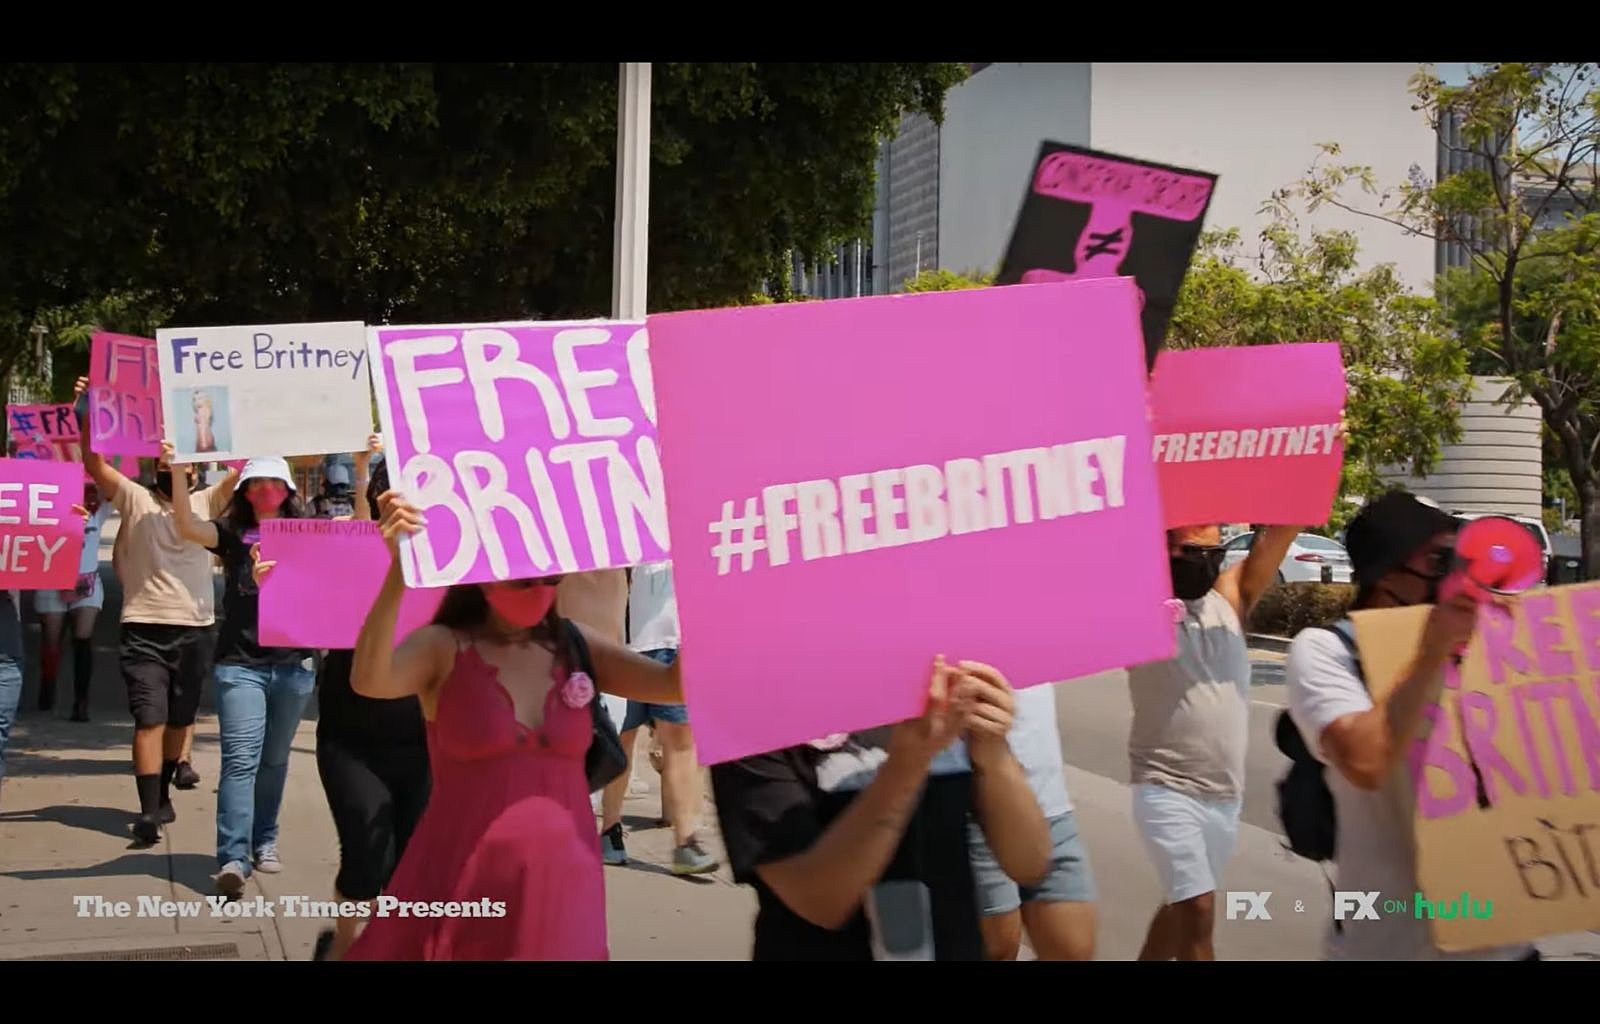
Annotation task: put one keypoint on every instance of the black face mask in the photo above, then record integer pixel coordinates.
(164, 482)
(1195, 571)
(1441, 561)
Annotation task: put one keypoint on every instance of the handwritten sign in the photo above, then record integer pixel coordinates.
(41, 537)
(45, 432)
(287, 389)
(1524, 708)
(1089, 214)
(124, 396)
(319, 557)
(855, 480)
(531, 447)
(1248, 434)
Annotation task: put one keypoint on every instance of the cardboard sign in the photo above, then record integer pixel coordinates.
(859, 485)
(45, 432)
(318, 558)
(124, 396)
(531, 448)
(287, 389)
(1089, 214)
(1524, 707)
(41, 538)
(1248, 434)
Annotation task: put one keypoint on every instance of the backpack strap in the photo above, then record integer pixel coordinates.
(1349, 645)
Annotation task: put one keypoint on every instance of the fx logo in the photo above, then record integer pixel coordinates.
(1253, 905)
(1365, 905)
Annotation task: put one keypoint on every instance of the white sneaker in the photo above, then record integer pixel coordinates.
(230, 880)
(267, 861)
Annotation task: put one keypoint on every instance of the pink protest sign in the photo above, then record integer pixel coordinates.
(124, 396)
(327, 576)
(45, 432)
(531, 448)
(40, 536)
(859, 485)
(1248, 434)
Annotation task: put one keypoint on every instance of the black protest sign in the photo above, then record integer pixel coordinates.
(1090, 214)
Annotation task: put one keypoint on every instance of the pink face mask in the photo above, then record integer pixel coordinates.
(267, 496)
(522, 607)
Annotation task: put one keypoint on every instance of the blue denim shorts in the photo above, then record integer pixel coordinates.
(639, 713)
(1069, 880)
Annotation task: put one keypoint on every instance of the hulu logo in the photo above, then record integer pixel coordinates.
(1462, 907)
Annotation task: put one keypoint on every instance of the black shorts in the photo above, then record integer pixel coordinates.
(164, 668)
(376, 792)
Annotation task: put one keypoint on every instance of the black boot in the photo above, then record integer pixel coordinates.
(82, 673)
(47, 694)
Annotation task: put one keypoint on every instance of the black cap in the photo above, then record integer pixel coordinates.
(1388, 531)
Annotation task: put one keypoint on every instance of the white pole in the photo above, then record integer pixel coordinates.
(631, 250)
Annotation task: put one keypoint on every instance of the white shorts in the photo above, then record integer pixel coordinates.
(53, 602)
(1189, 839)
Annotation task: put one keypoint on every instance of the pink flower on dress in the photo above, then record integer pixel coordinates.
(578, 690)
(1178, 609)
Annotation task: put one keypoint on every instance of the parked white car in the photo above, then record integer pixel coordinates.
(1311, 559)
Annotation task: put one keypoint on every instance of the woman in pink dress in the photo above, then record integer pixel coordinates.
(505, 862)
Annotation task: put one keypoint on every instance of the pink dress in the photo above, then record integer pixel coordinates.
(509, 820)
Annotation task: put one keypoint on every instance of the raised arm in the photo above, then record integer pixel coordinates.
(363, 508)
(200, 531)
(1244, 584)
(624, 673)
(1004, 803)
(103, 473)
(417, 667)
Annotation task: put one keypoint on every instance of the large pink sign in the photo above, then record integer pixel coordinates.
(41, 538)
(1248, 434)
(860, 485)
(531, 448)
(124, 396)
(326, 577)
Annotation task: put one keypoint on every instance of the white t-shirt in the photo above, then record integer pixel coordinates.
(90, 560)
(652, 609)
(1374, 848)
(1036, 743)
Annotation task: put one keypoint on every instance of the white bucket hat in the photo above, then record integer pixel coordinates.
(270, 468)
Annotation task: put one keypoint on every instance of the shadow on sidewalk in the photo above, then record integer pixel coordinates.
(116, 822)
(182, 869)
(28, 763)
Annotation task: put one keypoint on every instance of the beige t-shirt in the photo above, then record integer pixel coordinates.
(1191, 713)
(166, 580)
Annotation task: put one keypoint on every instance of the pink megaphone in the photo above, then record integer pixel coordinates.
(1494, 555)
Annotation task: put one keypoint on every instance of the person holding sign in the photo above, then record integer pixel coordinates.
(500, 677)
(261, 691)
(82, 606)
(1401, 549)
(167, 614)
(857, 844)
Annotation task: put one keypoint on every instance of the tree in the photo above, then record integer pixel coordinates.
(252, 193)
(1526, 213)
(1406, 375)
(947, 281)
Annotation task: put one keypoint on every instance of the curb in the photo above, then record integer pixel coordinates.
(1268, 642)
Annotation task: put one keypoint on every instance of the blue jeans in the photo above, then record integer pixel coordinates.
(258, 709)
(639, 714)
(10, 697)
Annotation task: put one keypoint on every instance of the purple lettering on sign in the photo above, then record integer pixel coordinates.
(530, 448)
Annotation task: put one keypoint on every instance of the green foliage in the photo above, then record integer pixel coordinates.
(1287, 608)
(251, 193)
(947, 281)
(1406, 376)
(1528, 216)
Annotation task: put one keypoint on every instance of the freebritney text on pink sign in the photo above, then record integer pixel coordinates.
(41, 537)
(319, 557)
(530, 448)
(1248, 434)
(124, 396)
(860, 485)
(47, 432)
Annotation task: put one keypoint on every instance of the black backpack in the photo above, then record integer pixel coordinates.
(1305, 804)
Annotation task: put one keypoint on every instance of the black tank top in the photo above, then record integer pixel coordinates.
(349, 716)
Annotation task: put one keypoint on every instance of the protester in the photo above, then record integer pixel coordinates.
(1058, 912)
(653, 632)
(372, 756)
(856, 844)
(1190, 728)
(11, 659)
(1400, 550)
(81, 606)
(261, 691)
(499, 674)
(337, 500)
(167, 614)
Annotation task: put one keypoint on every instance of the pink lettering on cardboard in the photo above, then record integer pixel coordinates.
(124, 396)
